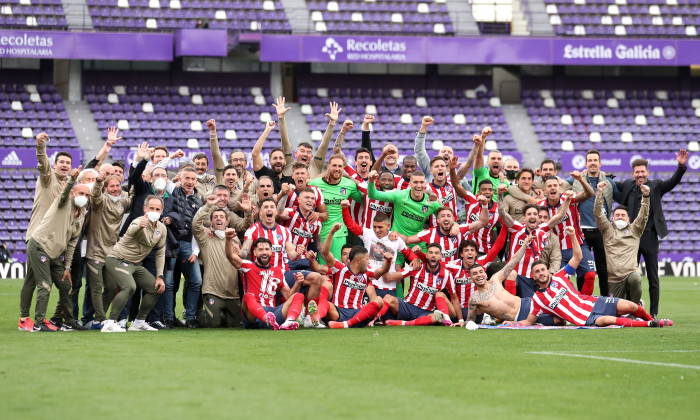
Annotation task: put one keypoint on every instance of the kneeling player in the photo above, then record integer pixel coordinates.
(418, 308)
(351, 283)
(260, 282)
(556, 295)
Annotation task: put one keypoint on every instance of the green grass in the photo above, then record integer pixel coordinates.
(421, 372)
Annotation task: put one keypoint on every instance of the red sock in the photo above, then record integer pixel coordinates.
(588, 283)
(254, 307)
(322, 308)
(295, 308)
(641, 313)
(510, 287)
(626, 322)
(424, 320)
(442, 305)
(384, 310)
(367, 312)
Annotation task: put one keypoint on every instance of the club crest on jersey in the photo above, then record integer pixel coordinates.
(279, 236)
(425, 209)
(448, 188)
(211, 301)
(43, 258)
(342, 191)
(157, 233)
(62, 258)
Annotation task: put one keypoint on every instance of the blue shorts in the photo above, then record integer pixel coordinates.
(524, 287)
(604, 306)
(381, 293)
(525, 306)
(345, 314)
(277, 310)
(586, 265)
(290, 280)
(408, 312)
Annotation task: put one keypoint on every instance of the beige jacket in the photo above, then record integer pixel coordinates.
(138, 242)
(319, 159)
(105, 221)
(48, 187)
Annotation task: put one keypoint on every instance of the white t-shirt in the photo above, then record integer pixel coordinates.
(376, 247)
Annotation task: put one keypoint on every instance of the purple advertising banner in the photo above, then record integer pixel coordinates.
(620, 162)
(479, 50)
(87, 45)
(201, 42)
(26, 158)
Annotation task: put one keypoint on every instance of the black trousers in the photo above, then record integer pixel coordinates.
(649, 249)
(594, 240)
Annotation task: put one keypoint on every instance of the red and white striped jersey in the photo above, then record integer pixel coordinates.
(518, 235)
(463, 285)
(560, 298)
(483, 235)
(425, 284)
(449, 244)
(400, 183)
(278, 235)
(348, 288)
(446, 196)
(263, 282)
(572, 218)
(370, 208)
(302, 231)
(356, 209)
(292, 199)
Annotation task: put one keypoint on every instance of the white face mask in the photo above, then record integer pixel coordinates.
(621, 224)
(220, 234)
(159, 184)
(90, 185)
(201, 176)
(80, 201)
(113, 198)
(153, 216)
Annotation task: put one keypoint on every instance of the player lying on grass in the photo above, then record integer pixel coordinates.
(351, 283)
(424, 296)
(557, 296)
(260, 283)
(491, 298)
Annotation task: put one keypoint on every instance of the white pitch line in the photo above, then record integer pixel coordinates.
(616, 359)
(628, 351)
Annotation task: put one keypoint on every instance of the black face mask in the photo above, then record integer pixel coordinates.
(510, 173)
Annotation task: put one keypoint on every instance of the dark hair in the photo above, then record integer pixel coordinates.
(474, 266)
(530, 206)
(158, 168)
(337, 156)
(305, 144)
(465, 243)
(265, 177)
(417, 173)
(302, 190)
(444, 208)
(410, 157)
(537, 262)
(344, 247)
(276, 149)
(356, 250)
(485, 181)
(163, 148)
(522, 171)
(434, 245)
(551, 178)
(381, 217)
(435, 159)
(593, 152)
(261, 240)
(621, 207)
(200, 156)
(299, 165)
(265, 200)
(211, 216)
(227, 167)
(66, 154)
(362, 150)
(152, 197)
(238, 151)
(548, 161)
(118, 163)
(640, 162)
(220, 188)
(542, 208)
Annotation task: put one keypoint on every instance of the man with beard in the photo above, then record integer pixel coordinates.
(408, 166)
(631, 197)
(289, 195)
(521, 194)
(441, 187)
(222, 306)
(377, 242)
(279, 236)
(492, 170)
(520, 231)
(621, 239)
(205, 181)
(351, 284)
(277, 161)
(548, 169)
(237, 159)
(49, 256)
(108, 203)
(585, 273)
(551, 254)
(220, 199)
(370, 208)
(363, 163)
(424, 296)
(447, 233)
(489, 297)
(261, 282)
(335, 189)
(557, 296)
(304, 150)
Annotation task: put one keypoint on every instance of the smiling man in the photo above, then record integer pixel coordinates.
(277, 161)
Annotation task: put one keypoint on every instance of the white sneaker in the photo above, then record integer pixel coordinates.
(307, 322)
(641, 302)
(320, 325)
(302, 315)
(110, 326)
(122, 324)
(488, 320)
(289, 325)
(140, 325)
(443, 318)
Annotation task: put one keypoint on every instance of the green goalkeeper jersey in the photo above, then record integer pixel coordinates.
(409, 215)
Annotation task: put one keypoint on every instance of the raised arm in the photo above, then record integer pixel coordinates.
(514, 260)
(505, 217)
(232, 250)
(338, 145)
(456, 181)
(386, 265)
(466, 166)
(587, 189)
(563, 209)
(96, 199)
(112, 139)
(320, 156)
(257, 149)
(576, 248)
(669, 184)
(284, 134)
(216, 157)
(379, 195)
(44, 166)
(641, 221)
(601, 219)
(326, 248)
(353, 227)
(479, 159)
(419, 146)
(366, 138)
(65, 194)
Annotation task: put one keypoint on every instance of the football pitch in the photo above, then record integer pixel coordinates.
(381, 372)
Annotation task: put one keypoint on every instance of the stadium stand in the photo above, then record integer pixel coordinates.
(32, 14)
